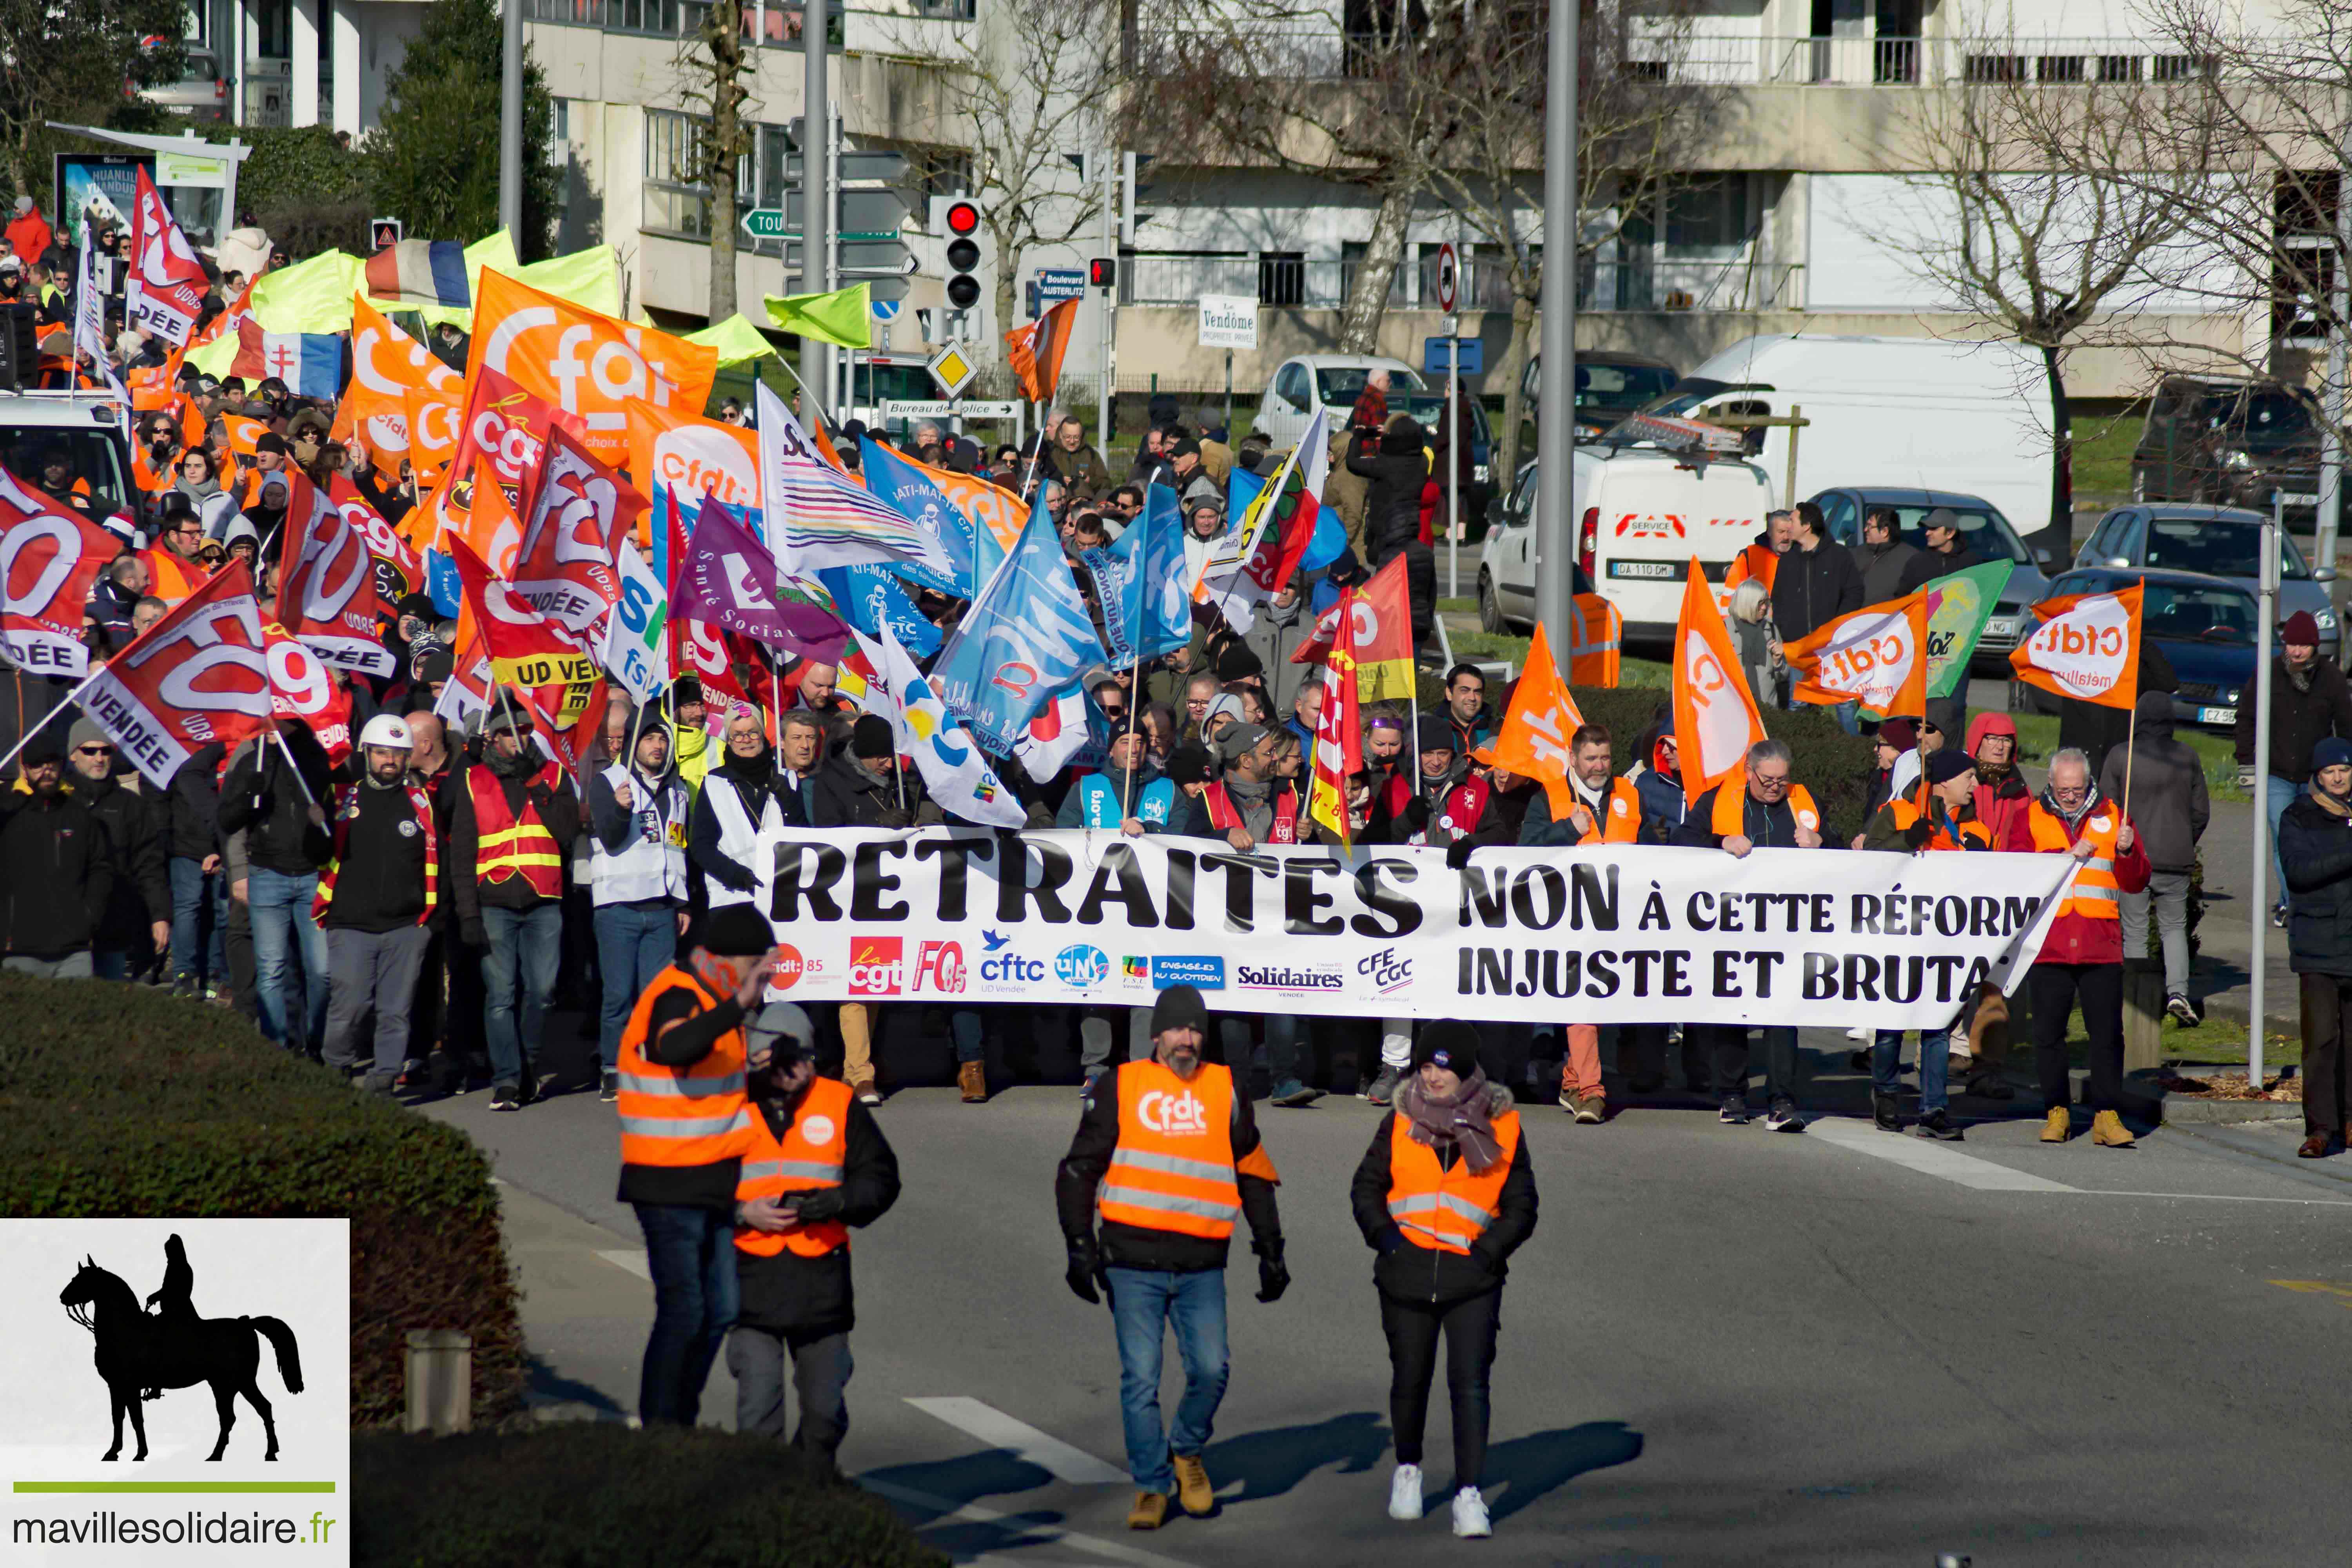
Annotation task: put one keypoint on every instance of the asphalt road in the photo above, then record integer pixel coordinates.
(1720, 1346)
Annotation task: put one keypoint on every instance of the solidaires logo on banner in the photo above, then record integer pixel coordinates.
(175, 1390)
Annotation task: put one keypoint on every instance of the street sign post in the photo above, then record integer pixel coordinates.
(951, 372)
(1449, 270)
(1436, 355)
(1229, 322)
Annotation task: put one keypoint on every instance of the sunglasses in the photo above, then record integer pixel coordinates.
(93, 751)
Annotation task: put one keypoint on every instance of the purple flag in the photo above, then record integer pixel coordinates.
(728, 579)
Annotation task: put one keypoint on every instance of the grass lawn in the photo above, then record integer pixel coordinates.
(1469, 641)
(2103, 449)
(2037, 736)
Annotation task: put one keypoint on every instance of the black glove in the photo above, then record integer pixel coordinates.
(1918, 834)
(540, 795)
(1415, 813)
(1086, 1263)
(471, 933)
(819, 1205)
(1272, 1278)
(1457, 855)
(891, 816)
(1390, 1240)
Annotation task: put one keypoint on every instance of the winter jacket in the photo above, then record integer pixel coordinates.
(1927, 565)
(1998, 806)
(1081, 1171)
(1813, 587)
(789, 1294)
(140, 893)
(1081, 472)
(847, 796)
(261, 798)
(194, 805)
(1770, 826)
(56, 874)
(1395, 466)
(2301, 717)
(2076, 938)
(2169, 805)
(1882, 567)
(2316, 845)
(1404, 1269)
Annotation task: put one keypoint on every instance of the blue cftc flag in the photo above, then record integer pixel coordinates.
(1139, 584)
(1026, 638)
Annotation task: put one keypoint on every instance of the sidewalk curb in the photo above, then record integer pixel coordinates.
(2216, 1112)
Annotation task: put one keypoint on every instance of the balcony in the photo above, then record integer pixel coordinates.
(775, 23)
(1722, 60)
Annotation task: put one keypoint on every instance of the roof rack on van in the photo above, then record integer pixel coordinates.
(1692, 437)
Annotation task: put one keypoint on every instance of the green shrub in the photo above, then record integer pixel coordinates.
(116, 1099)
(597, 1495)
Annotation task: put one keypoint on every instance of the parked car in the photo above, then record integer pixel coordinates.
(1982, 529)
(2229, 441)
(1890, 411)
(201, 93)
(2203, 624)
(1609, 386)
(2219, 540)
(84, 425)
(1306, 387)
(1643, 514)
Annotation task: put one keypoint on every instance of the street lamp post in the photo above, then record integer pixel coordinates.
(1555, 519)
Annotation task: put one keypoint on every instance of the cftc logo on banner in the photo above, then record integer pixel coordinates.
(175, 1390)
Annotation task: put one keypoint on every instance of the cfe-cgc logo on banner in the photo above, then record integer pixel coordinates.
(176, 1390)
(876, 966)
(1082, 966)
(941, 964)
(1201, 971)
(1387, 970)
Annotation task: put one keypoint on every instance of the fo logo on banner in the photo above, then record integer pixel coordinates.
(1181, 1114)
(143, 1356)
(940, 965)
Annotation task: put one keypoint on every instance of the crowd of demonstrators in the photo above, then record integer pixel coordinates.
(2311, 702)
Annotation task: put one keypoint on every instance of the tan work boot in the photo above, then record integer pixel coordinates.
(2059, 1126)
(973, 1078)
(2108, 1131)
(1192, 1488)
(1150, 1512)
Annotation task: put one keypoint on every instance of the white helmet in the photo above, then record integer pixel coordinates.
(387, 729)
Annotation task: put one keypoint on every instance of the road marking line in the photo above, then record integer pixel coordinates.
(998, 1430)
(948, 1509)
(2342, 1293)
(1931, 1158)
(634, 1262)
(2216, 1197)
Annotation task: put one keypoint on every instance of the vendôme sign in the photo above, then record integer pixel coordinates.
(1601, 935)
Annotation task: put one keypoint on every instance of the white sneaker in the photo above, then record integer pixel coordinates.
(1470, 1515)
(1865, 1036)
(1404, 1492)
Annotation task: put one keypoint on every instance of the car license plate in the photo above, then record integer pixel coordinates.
(2217, 715)
(1655, 571)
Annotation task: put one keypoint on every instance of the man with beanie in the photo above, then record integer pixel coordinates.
(637, 847)
(1169, 1155)
(685, 1125)
(1416, 793)
(2170, 805)
(1241, 807)
(57, 869)
(377, 897)
(2310, 701)
(2315, 832)
(863, 786)
(689, 741)
(514, 825)
(138, 919)
(815, 1164)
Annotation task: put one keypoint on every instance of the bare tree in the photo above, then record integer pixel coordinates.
(713, 73)
(2052, 215)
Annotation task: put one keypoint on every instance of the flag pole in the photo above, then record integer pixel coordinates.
(32, 729)
(300, 783)
(1134, 711)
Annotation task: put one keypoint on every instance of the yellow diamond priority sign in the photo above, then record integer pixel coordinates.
(952, 370)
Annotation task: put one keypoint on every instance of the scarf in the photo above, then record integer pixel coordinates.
(1463, 1119)
(1995, 774)
(2334, 807)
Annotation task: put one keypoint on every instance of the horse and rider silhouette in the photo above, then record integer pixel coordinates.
(141, 1354)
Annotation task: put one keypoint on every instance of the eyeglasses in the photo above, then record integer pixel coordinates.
(1770, 781)
(93, 751)
(186, 529)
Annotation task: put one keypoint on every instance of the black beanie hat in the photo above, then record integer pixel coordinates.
(1436, 735)
(1238, 663)
(736, 930)
(1179, 1007)
(1189, 763)
(686, 689)
(45, 746)
(1946, 766)
(871, 737)
(1448, 1041)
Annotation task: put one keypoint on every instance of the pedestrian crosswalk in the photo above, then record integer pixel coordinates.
(1023, 1441)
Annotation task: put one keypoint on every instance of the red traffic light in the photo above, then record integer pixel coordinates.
(962, 217)
(1102, 272)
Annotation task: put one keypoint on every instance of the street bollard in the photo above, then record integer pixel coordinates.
(440, 1381)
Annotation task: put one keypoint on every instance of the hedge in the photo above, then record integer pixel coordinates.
(598, 1495)
(116, 1099)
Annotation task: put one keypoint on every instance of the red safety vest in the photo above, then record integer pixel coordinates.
(346, 808)
(507, 847)
(1224, 817)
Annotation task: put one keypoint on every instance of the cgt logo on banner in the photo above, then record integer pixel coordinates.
(177, 1390)
(1610, 933)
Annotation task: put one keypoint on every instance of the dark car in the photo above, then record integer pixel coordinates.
(2226, 441)
(2204, 626)
(1983, 530)
(1608, 385)
(2219, 542)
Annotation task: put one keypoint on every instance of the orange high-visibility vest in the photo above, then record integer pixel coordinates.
(1756, 561)
(506, 846)
(1621, 815)
(807, 1157)
(169, 578)
(2096, 895)
(693, 1115)
(418, 802)
(149, 479)
(1442, 1209)
(1976, 834)
(1597, 641)
(1173, 1168)
(1731, 813)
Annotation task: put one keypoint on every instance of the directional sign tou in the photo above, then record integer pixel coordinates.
(764, 223)
(1449, 270)
(887, 168)
(951, 370)
(856, 211)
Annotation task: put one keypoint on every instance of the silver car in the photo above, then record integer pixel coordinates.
(2220, 541)
(201, 93)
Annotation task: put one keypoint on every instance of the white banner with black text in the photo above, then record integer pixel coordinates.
(1611, 934)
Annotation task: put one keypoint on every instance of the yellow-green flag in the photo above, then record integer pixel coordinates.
(842, 317)
(590, 278)
(737, 340)
(313, 296)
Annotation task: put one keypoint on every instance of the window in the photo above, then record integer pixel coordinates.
(1291, 386)
(1993, 68)
(559, 139)
(938, 172)
(1707, 217)
(2058, 68)
(2216, 546)
(677, 198)
(1351, 258)
(1281, 277)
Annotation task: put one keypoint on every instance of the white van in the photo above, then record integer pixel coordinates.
(1919, 412)
(1645, 514)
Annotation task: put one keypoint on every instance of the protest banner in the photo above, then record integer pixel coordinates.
(49, 560)
(199, 675)
(326, 584)
(1614, 933)
(590, 365)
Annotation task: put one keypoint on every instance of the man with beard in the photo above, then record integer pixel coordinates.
(815, 1164)
(137, 917)
(377, 897)
(738, 803)
(57, 864)
(515, 822)
(1168, 1156)
(636, 845)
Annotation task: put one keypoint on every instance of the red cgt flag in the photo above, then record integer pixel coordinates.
(325, 584)
(200, 674)
(164, 293)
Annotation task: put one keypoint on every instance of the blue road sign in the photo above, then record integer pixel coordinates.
(887, 310)
(1434, 355)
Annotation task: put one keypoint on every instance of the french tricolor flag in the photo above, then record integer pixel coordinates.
(420, 272)
(310, 364)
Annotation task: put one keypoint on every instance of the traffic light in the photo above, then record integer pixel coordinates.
(1102, 272)
(963, 254)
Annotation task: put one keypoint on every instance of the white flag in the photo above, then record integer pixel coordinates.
(953, 769)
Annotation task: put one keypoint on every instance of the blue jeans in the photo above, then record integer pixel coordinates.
(279, 907)
(634, 943)
(519, 980)
(2277, 795)
(691, 1253)
(1141, 1302)
(1935, 1065)
(199, 922)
